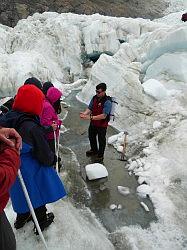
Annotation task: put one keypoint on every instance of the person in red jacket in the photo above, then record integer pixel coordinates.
(10, 143)
(98, 112)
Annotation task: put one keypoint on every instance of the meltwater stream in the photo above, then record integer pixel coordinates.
(102, 192)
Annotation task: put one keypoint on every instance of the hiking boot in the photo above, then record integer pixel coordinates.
(99, 159)
(91, 153)
(22, 219)
(49, 218)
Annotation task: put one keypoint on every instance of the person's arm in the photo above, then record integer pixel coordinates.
(47, 116)
(47, 120)
(88, 110)
(9, 164)
(49, 129)
(106, 111)
(41, 149)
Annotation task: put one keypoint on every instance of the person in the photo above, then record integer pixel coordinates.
(10, 143)
(98, 112)
(46, 86)
(34, 81)
(49, 115)
(184, 17)
(37, 160)
(8, 104)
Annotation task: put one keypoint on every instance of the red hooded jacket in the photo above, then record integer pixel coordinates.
(9, 164)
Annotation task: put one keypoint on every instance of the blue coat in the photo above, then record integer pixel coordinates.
(37, 160)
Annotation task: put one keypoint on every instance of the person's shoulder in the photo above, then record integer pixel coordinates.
(47, 107)
(108, 99)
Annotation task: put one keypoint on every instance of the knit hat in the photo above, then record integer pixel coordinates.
(46, 86)
(29, 99)
(34, 81)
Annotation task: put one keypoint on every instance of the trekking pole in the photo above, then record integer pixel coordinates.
(31, 208)
(57, 149)
(123, 153)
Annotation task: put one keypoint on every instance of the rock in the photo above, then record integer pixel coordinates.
(13, 11)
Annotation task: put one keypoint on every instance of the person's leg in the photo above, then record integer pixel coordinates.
(102, 141)
(40, 213)
(22, 219)
(44, 219)
(92, 134)
(7, 237)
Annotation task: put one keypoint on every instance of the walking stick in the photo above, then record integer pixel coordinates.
(123, 153)
(56, 150)
(57, 141)
(31, 208)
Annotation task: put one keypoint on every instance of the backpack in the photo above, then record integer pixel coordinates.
(111, 116)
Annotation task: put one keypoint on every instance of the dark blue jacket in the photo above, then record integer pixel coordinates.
(42, 182)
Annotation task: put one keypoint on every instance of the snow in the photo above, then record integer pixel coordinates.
(150, 63)
(72, 229)
(96, 171)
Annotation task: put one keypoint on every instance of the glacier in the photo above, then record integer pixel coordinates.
(56, 47)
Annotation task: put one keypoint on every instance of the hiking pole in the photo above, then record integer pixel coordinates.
(124, 147)
(57, 151)
(31, 208)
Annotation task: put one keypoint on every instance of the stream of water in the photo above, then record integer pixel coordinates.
(103, 192)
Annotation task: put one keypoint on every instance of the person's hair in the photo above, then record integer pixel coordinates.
(33, 81)
(46, 86)
(102, 86)
(57, 106)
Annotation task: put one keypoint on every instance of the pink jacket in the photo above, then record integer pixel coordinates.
(48, 114)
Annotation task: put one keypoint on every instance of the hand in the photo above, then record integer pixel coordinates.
(10, 137)
(84, 117)
(54, 126)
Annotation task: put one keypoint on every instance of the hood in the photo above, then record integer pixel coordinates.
(29, 99)
(53, 94)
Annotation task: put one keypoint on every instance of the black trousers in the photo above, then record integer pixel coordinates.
(93, 133)
(7, 237)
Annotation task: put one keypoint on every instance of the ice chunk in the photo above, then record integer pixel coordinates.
(133, 165)
(123, 190)
(155, 89)
(144, 206)
(112, 139)
(144, 190)
(113, 206)
(119, 206)
(156, 124)
(96, 171)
